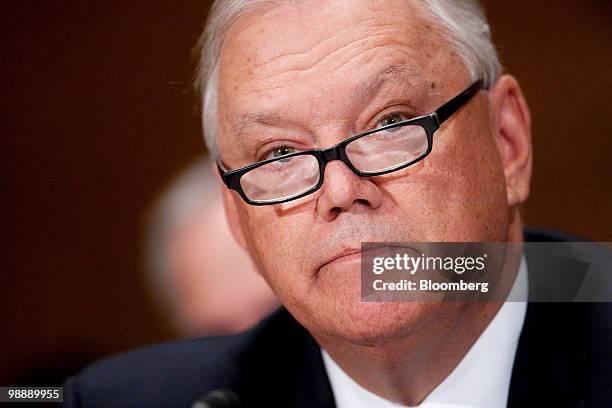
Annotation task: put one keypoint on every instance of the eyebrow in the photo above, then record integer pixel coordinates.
(368, 89)
(247, 119)
(402, 72)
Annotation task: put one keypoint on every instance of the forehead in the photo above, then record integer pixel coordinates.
(323, 35)
(314, 49)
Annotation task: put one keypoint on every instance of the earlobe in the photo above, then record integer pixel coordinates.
(512, 132)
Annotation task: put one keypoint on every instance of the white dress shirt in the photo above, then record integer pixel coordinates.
(480, 380)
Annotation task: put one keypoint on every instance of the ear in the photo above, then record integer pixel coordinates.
(511, 128)
(231, 210)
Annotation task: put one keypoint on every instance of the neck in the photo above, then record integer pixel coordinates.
(405, 369)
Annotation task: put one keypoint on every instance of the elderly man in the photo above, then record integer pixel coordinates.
(341, 122)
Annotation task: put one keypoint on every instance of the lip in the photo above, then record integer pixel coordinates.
(344, 255)
(348, 254)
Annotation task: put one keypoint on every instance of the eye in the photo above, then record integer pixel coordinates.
(390, 120)
(279, 152)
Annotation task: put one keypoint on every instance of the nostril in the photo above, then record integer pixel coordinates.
(335, 211)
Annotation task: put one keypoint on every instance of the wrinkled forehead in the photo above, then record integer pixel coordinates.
(321, 36)
(327, 50)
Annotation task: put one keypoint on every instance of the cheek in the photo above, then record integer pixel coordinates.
(459, 192)
(475, 185)
(277, 246)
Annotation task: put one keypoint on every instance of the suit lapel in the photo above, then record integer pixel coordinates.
(550, 362)
(284, 368)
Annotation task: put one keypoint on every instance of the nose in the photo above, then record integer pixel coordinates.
(344, 191)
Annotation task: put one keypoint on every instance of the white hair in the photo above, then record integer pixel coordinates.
(463, 22)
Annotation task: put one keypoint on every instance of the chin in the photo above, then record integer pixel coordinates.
(375, 323)
(334, 309)
(368, 323)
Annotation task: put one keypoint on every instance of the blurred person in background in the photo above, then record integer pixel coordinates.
(204, 281)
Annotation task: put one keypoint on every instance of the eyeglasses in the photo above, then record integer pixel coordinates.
(379, 151)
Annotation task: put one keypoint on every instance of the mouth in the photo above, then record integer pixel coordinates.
(343, 256)
(352, 254)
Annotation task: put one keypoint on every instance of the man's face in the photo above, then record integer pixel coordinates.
(310, 75)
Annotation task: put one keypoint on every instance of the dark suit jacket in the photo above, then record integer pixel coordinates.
(564, 359)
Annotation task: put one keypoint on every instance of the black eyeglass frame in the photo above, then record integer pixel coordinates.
(430, 123)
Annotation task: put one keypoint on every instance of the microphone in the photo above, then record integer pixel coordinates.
(218, 399)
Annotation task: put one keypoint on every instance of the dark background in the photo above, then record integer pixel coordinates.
(97, 115)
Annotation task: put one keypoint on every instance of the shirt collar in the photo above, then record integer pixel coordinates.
(480, 380)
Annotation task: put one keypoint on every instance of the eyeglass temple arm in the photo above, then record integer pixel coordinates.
(223, 172)
(452, 106)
